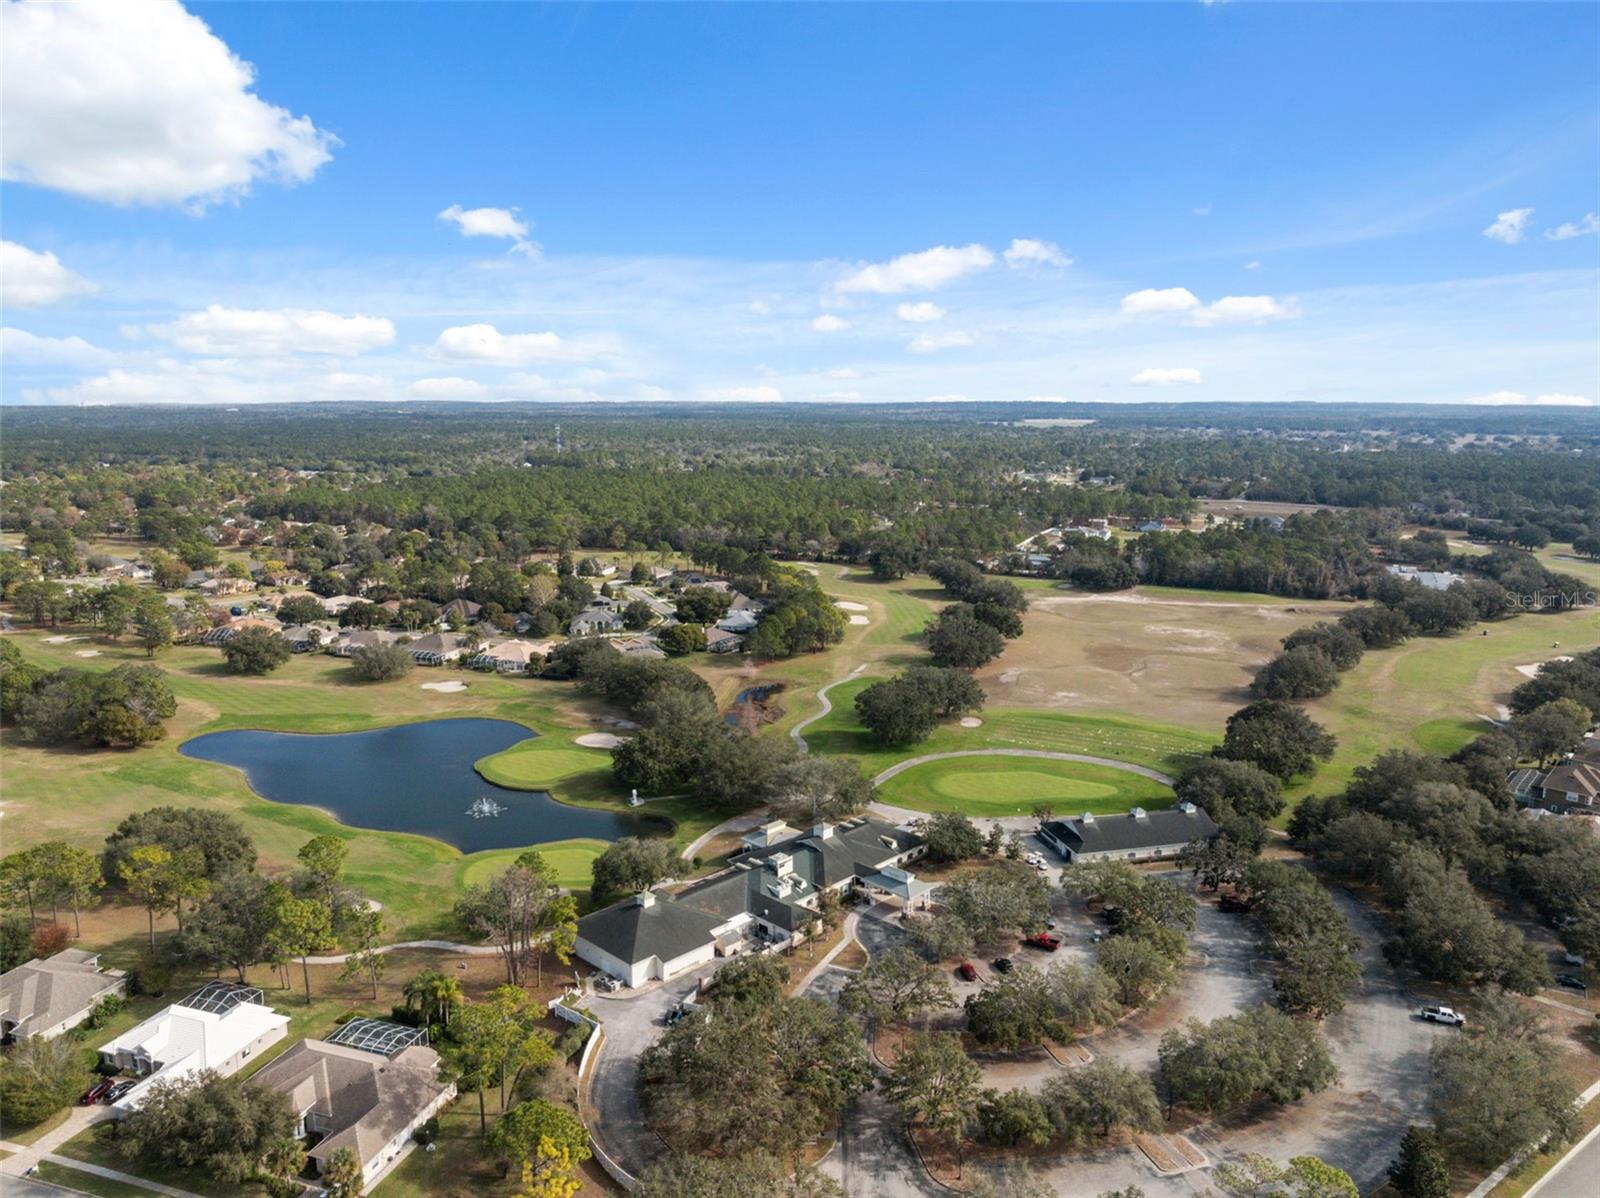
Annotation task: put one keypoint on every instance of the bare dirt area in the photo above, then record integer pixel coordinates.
(1178, 660)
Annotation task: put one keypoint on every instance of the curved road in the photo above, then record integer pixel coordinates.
(1048, 754)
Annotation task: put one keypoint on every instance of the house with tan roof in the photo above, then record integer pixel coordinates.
(43, 998)
(507, 657)
(367, 1088)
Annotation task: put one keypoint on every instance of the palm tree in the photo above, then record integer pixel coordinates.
(445, 994)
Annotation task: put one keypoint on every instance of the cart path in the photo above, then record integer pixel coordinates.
(1143, 771)
(827, 706)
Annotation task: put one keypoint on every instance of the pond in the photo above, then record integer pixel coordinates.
(410, 778)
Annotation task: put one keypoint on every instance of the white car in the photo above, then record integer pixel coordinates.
(1445, 1015)
(1572, 958)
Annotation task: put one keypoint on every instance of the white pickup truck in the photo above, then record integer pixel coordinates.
(1445, 1015)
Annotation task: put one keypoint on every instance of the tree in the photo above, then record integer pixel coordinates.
(303, 927)
(631, 865)
(366, 940)
(905, 709)
(301, 609)
(1221, 787)
(1551, 729)
(684, 1175)
(1305, 672)
(16, 940)
(381, 663)
(342, 1173)
(69, 874)
(702, 605)
(957, 638)
(1277, 736)
(1343, 647)
(1085, 996)
(811, 790)
(1258, 1055)
(152, 621)
(1100, 1095)
(225, 1126)
(38, 1077)
(120, 708)
(934, 1080)
(679, 639)
(1013, 1119)
(221, 840)
(481, 1041)
(161, 880)
(433, 995)
(255, 651)
(950, 836)
(1303, 1177)
(1420, 1171)
(1014, 1010)
(896, 988)
(550, 1173)
(941, 936)
(322, 860)
(998, 901)
(235, 925)
(516, 1134)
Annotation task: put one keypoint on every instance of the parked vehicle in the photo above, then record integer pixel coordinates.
(1001, 964)
(1051, 924)
(1445, 1015)
(968, 971)
(1572, 982)
(118, 1090)
(1572, 958)
(1096, 936)
(97, 1091)
(1044, 941)
(1232, 904)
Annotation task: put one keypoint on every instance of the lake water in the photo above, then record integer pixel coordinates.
(409, 778)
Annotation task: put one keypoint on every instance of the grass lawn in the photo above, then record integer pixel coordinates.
(1535, 1167)
(88, 1183)
(568, 859)
(996, 786)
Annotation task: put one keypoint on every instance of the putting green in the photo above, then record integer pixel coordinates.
(569, 862)
(995, 786)
(540, 764)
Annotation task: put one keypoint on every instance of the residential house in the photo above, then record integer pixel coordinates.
(768, 898)
(335, 604)
(1571, 788)
(506, 657)
(351, 639)
(367, 1087)
(303, 638)
(121, 567)
(223, 633)
(1099, 530)
(637, 646)
(1151, 526)
(436, 648)
(43, 998)
(1139, 835)
(719, 640)
(739, 621)
(464, 610)
(1434, 580)
(219, 1027)
(222, 585)
(595, 620)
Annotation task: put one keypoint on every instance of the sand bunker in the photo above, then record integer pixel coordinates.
(846, 605)
(859, 620)
(971, 721)
(1532, 670)
(87, 653)
(598, 740)
(448, 688)
(62, 640)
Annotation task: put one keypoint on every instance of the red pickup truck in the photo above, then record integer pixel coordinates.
(1043, 940)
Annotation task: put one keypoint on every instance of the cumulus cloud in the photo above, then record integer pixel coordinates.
(20, 347)
(256, 332)
(1025, 251)
(485, 343)
(1582, 228)
(829, 323)
(1230, 309)
(1156, 376)
(926, 270)
(500, 223)
(447, 388)
(758, 394)
(929, 343)
(1554, 399)
(33, 279)
(1509, 227)
(1152, 301)
(919, 313)
(141, 104)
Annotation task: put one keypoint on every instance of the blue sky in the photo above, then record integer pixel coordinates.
(1121, 202)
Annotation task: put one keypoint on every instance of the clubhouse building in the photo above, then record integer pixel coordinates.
(1139, 835)
(767, 899)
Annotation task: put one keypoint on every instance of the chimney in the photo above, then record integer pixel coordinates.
(822, 831)
(1187, 808)
(645, 898)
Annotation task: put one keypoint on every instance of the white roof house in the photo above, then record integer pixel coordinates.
(218, 1027)
(738, 621)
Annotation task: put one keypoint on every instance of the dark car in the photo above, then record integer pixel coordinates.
(1232, 904)
(968, 971)
(118, 1090)
(97, 1091)
(1001, 964)
(1572, 982)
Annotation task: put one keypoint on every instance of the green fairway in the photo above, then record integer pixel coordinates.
(996, 786)
(569, 861)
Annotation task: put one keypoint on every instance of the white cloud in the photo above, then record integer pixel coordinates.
(1517, 398)
(250, 332)
(760, 307)
(758, 394)
(920, 313)
(1509, 227)
(1230, 309)
(1244, 309)
(951, 397)
(32, 279)
(18, 346)
(1583, 228)
(928, 343)
(1152, 301)
(1253, 264)
(923, 271)
(1155, 376)
(1025, 251)
(447, 388)
(141, 104)
(485, 343)
(844, 373)
(829, 323)
(1047, 399)
(501, 223)
(1203, 210)
(838, 397)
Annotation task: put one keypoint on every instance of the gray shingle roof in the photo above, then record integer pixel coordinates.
(634, 933)
(1128, 833)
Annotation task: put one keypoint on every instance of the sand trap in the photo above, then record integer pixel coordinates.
(846, 605)
(1532, 671)
(87, 653)
(971, 721)
(598, 740)
(62, 640)
(447, 688)
(859, 620)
